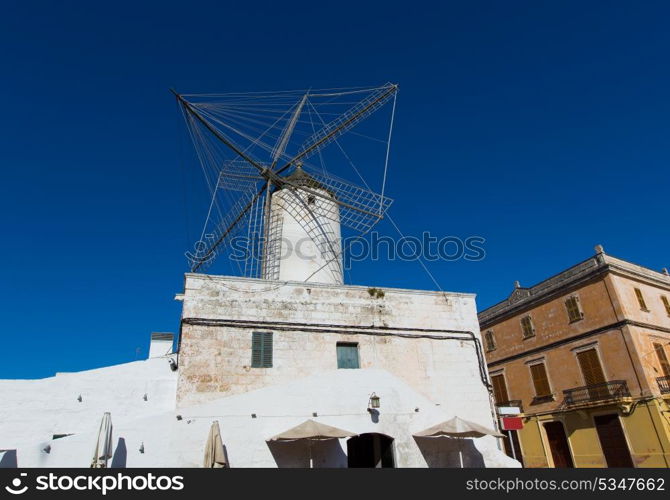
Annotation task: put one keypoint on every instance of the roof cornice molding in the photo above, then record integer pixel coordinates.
(522, 299)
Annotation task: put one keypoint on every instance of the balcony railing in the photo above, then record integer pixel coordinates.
(606, 391)
(664, 384)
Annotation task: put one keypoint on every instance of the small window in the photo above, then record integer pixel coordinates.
(527, 327)
(664, 299)
(662, 359)
(490, 341)
(640, 299)
(347, 355)
(261, 350)
(574, 311)
(499, 388)
(540, 380)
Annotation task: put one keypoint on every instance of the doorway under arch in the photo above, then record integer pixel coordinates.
(370, 450)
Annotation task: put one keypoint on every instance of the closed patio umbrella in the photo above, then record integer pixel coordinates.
(310, 431)
(103, 444)
(215, 454)
(458, 428)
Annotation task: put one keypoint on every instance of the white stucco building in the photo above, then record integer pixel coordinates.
(261, 356)
(410, 353)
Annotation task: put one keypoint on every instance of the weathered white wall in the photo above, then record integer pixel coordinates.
(215, 358)
(439, 377)
(32, 411)
(339, 397)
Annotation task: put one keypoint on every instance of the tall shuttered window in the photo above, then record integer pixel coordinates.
(590, 366)
(662, 359)
(499, 388)
(527, 327)
(640, 299)
(574, 311)
(490, 340)
(666, 304)
(540, 380)
(347, 355)
(261, 350)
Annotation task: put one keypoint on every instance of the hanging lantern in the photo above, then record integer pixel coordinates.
(374, 402)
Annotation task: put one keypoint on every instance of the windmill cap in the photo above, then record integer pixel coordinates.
(301, 178)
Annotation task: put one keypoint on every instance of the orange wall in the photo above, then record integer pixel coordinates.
(551, 322)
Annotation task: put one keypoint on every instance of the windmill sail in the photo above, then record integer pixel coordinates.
(245, 143)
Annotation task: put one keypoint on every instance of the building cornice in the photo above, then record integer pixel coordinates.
(522, 299)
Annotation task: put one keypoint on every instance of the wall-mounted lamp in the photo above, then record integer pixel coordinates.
(253, 415)
(47, 449)
(315, 414)
(173, 364)
(373, 402)
(79, 398)
(179, 417)
(142, 447)
(145, 397)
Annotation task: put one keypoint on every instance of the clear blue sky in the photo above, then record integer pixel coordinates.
(541, 126)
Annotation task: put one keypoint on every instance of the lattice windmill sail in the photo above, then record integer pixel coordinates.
(255, 151)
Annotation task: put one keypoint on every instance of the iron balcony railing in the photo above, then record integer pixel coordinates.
(605, 391)
(664, 384)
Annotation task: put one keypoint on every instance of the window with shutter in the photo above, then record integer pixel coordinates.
(527, 327)
(574, 312)
(347, 355)
(640, 299)
(590, 366)
(662, 359)
(540, 380)
(490, 340)
(666, 304)
(499, 389)
(261, 350)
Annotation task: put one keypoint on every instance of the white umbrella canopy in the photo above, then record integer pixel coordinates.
(458, 428)
(103, 444)
(215, 454)
(312, 430)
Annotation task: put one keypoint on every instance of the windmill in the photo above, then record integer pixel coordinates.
(255, 150)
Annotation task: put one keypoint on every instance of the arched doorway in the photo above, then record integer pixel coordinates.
(370, 450)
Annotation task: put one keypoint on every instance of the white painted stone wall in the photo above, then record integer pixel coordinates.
(339, 397)
(307, 320)
(32, 411)
(421, 382)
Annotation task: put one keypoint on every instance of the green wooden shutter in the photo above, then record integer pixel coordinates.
(261, 350)
(267, 350)
(256, 349)
(347, 355)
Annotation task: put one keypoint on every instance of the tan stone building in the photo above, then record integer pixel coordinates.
(585, 355)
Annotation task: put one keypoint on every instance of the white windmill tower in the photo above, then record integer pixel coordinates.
(304, 245)
(289, 213)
